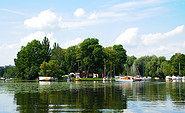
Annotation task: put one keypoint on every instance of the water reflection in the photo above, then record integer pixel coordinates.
(96, 96)
(93, 97)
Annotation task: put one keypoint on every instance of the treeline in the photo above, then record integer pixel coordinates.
(38, 59)
(156, 66)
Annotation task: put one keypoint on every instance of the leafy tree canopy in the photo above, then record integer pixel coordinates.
(32, 54)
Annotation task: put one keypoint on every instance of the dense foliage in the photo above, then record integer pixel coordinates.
(156, 66)
(51, 69)
(38, 58)
(29, 58)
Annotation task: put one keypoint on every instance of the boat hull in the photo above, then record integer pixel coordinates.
(124, 79)
(138, 79)
(47, 79)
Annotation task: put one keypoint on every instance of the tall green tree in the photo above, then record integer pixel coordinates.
(79, 58)
(31, 73)
(166, 68)
(121, 58)
(55, 45)
(91, 54)
(129, 62)
(110, 56)
(175, 60)
(51, 69)
(2, 71)
(46, 46)
(58, 54)
(152, 66)
(70, 58)
(43, 69)
(32, 54)
(10, 72)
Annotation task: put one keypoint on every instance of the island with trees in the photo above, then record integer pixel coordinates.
(38, 59)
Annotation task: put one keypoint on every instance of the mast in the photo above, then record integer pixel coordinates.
(137, 70)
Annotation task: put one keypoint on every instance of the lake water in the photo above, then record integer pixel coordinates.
(136, 97)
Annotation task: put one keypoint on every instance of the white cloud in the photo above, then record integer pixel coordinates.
(10, 50)
(72, 25)
(9, 53)
(106, 15)
(136, 4)
(12, 11)
(72, 42)
(176, 31)
(45, 20)
(149, 39)
(128, 37)
(38, 36)
(79, 12)
(166, 48)
(49, 20)
(93, 16)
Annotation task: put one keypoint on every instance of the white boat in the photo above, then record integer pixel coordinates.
(47, 78)
(138, 78)
(146, 78)
(69, 78)
(78, 78)
(174, 77)
(2, 78)
(183, 78)
(168, 78)
(179, 78)
(8, 79)
(124, 79)
(105, 79)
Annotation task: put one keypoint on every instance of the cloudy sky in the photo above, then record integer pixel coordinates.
(143, 27)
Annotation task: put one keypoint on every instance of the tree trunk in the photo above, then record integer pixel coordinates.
(104, 68)
(87, 71)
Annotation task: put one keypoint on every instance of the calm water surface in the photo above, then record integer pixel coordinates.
(137, 97)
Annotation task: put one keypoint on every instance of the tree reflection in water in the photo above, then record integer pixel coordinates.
(76, 97)
(97, 96)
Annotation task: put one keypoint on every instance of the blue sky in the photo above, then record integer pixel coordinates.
(143, 27)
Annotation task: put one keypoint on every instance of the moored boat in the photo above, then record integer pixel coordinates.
(47, 78)
(124, 79)
(174, 77)
(138, 79)
(156, 78)
(105, 79)
(179, 78)
(168, 78)
(147, 78)
(183, 78)
(78, 78)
